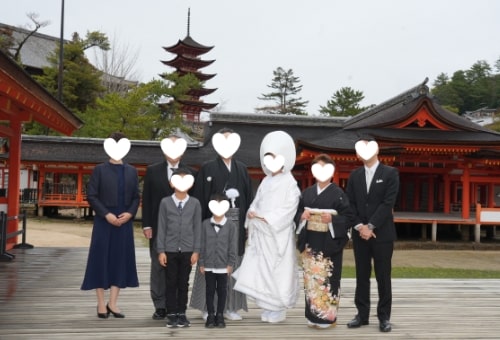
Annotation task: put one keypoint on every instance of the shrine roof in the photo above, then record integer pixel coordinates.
(253, 127)
(31, 101)
(36, 49)
(82, 150)
(401, 107)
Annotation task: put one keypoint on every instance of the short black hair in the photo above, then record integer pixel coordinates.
(225, 130)
(117, 135)
(365, 136)
(323, 157)
(219, 197)
(182, 171)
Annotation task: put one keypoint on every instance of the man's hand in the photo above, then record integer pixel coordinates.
(162, 258)
(366, 233)
(194, 258)
(148, 233)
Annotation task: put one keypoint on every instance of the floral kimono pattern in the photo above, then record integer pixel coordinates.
(321, 302)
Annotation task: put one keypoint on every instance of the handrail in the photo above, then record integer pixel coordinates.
(4, 255)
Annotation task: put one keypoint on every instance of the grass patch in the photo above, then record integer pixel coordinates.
(431, 273)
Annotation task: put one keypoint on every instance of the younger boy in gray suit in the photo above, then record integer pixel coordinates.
(217, 257)
(178, 244)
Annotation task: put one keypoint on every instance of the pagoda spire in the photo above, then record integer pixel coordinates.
(188, 60)
(189, 21)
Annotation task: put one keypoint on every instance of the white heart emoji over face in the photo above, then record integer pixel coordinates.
(226, 146)
(182, 183)
(323, 172)
(116, 150)
(218, 208)
(274, 163)
(173, 149)
(366, 150)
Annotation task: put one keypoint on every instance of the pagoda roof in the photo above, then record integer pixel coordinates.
(197, 103)
(200, 92)
(188, 46)
(185, 62)
(199, 75)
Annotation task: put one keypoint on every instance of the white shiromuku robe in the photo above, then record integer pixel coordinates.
(268, 273)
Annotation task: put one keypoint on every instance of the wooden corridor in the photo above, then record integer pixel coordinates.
(40, 298)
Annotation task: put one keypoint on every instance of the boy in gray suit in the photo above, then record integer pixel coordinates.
(178, 244)
(217, 257)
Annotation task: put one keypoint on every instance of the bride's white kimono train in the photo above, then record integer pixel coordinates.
(269, 273)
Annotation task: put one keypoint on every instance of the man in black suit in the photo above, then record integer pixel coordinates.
(156, 187)
(372, 191)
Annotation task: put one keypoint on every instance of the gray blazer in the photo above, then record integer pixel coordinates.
(218, 250)
(179, 231)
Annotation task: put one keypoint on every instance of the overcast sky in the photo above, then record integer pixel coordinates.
(381, 47)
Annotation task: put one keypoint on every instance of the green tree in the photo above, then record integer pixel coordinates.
(468, 90)
(139, 112)
(446, 94)
(285, 87)
(344, 102)
(12, 47)
(81, 80)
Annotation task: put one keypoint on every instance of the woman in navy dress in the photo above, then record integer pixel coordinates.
(113, 194)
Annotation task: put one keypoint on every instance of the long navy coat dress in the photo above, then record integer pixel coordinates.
(111, 261)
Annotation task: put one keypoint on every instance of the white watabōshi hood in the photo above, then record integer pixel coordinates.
(278, 143)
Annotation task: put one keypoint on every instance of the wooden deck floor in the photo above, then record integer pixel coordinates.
(40, 299)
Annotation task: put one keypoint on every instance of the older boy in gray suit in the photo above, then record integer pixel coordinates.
(178, 244)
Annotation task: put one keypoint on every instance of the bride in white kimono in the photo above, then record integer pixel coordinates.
(269, 273)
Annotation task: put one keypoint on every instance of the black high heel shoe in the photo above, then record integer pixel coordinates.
(102, 315)
(115, 314)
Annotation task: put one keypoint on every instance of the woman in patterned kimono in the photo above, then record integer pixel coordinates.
(323, 220)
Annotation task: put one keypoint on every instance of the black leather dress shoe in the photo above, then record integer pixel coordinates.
(357, 322)
(160, 314)
(385, 326)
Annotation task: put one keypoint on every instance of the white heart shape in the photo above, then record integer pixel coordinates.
(274, 163)
(226, 146)
(218, 208)
(182, 183)
(323, 172)
(366, 150)
(173, 149)
(116, 150)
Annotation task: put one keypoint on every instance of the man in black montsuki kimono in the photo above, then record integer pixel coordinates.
(224, 175)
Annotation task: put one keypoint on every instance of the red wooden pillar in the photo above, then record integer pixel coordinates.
(416, 194)
(491, 195)
(430, 194)
(14, 181)
(466, 192)
(446, 191)
(404, 188)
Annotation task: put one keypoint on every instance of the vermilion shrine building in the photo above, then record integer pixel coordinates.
(23, 100)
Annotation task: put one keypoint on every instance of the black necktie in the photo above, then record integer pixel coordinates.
(180, 206)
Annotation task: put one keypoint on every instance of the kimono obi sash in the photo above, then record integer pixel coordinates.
(315, 224)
